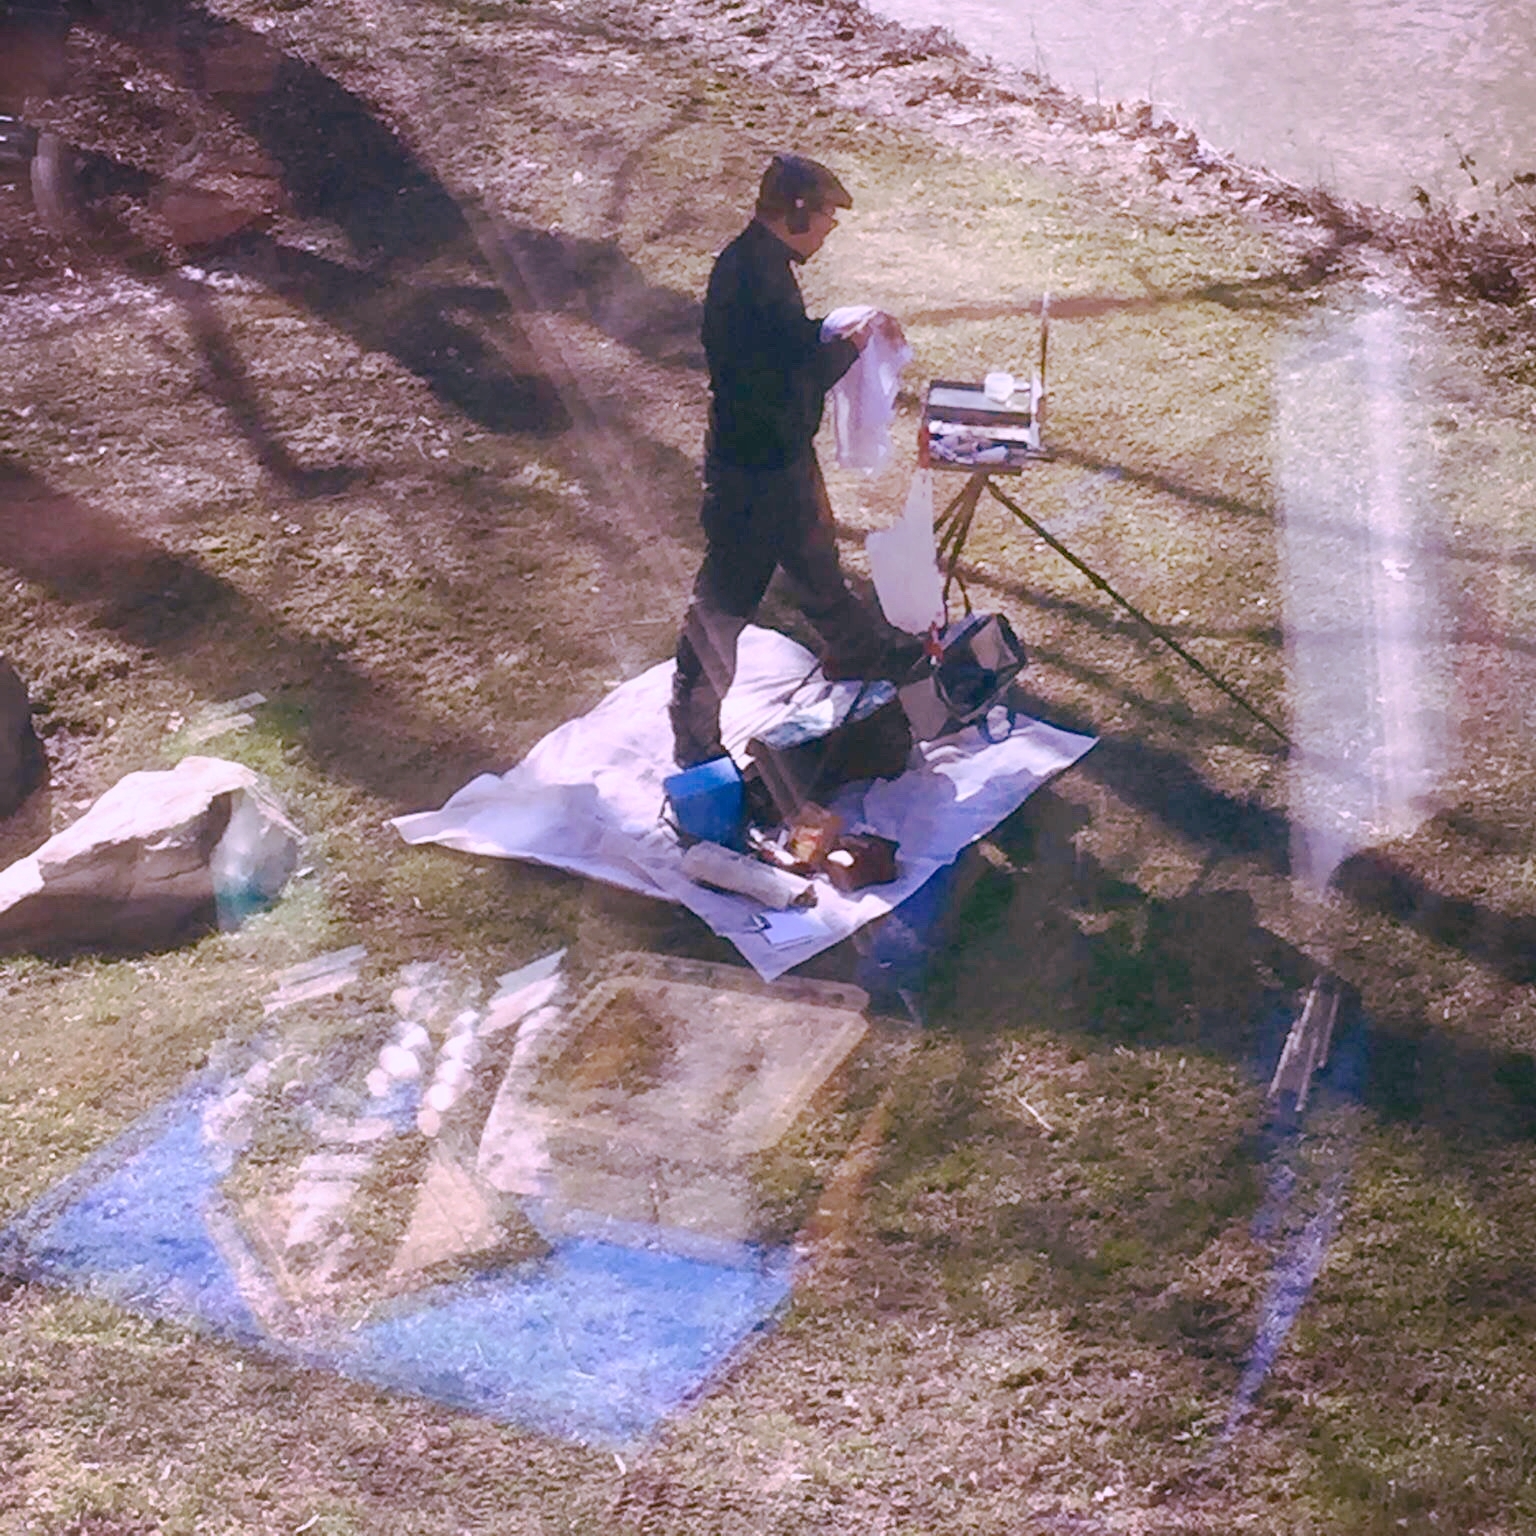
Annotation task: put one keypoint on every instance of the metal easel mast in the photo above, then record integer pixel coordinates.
(953, 527)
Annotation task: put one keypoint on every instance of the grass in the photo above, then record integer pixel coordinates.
(1041, 1308)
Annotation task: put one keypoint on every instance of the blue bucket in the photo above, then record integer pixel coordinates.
(708, 802)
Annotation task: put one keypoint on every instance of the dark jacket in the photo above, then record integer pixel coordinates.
(769, 369)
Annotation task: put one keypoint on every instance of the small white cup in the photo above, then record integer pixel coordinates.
(998, 387)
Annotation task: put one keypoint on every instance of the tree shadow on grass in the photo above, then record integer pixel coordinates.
(222, 641)
(434, 330)
(1166, 786)
(1286, 290)
(228, 380)
(1156, 480)
(340, 164)
(1052, 941)
(552, 271)
(343, 167)
(1504, 942)
(431, 330)
(1271, 291)
(1201, 971)
(337, 161)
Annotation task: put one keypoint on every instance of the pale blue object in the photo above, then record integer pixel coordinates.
(596, 1342)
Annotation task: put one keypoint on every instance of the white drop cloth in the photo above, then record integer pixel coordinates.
(588, 798)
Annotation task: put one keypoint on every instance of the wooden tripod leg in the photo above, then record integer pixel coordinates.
(966, 496)
(957, 519)
(1157, 629)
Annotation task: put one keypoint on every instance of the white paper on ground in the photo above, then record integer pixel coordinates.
(783, 929)
(588, 799)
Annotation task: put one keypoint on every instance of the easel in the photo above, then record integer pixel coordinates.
(952, 526)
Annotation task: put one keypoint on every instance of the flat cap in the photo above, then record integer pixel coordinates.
(795, 181)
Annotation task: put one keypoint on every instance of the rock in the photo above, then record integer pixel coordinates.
(200, 216)
(161, 857)
(215, 193)
(22, 763)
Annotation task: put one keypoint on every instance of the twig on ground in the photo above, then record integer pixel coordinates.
(1044, 1124)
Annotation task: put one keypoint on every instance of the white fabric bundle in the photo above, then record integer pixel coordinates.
(904, 565)
(863, 401)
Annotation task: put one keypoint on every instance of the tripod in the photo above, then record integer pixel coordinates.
(953, 526)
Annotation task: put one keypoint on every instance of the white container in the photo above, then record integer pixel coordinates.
(998, 387)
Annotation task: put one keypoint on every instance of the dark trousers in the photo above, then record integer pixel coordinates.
(756, 520)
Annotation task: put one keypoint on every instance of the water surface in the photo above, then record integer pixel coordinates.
(1371, 98)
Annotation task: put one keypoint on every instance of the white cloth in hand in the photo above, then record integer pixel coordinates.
(863, 401)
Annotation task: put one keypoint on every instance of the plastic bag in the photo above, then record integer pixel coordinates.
(904, 563)
(863, 401)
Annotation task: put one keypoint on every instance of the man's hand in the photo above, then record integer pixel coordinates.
(890, 327)
(877, 324)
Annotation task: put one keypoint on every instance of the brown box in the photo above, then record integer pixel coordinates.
(859, 859)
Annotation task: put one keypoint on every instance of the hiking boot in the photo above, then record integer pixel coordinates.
(903, 657)
(891, 663)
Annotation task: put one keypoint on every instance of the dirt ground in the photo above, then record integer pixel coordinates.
(369, 380)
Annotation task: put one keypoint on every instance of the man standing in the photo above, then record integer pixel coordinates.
(765, 504)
